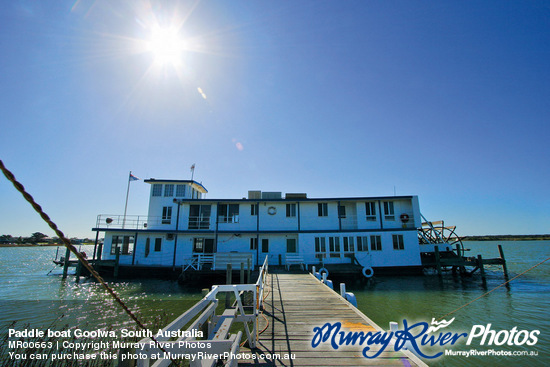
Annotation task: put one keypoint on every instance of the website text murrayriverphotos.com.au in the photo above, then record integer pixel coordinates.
(428, 341)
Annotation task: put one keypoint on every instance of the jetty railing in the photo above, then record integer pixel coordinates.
(246, 309)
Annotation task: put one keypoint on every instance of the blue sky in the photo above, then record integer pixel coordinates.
(445, 100)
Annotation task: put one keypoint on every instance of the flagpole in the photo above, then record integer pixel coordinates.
(126, 205)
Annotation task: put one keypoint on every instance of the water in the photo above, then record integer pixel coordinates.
(28, 295)
(524, 304)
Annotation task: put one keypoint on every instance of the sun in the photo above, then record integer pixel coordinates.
(166, 45)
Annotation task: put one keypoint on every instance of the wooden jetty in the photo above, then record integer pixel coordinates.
(294, 305)
(286, 307)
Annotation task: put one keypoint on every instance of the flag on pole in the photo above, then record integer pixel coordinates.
(133, 178)
(193, 167)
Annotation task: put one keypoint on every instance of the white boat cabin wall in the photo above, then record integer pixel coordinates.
(183, 225)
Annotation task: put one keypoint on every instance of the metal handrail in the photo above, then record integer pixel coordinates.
(218, 337)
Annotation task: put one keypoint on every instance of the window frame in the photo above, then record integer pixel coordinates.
(166, 215)
(156, 190)
(291, 210)
(168, 190)
(389, 210)
(158, 244)
(322, 209)
(398, 242)
(370, 209)
(375, 242)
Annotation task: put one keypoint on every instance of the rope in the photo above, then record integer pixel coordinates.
(19, 187)
(494, 289)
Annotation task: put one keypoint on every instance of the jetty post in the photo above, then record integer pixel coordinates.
(437, 260)
(248, 271)
(228, 275)
(481, 268)
(504, 268)
(117, 259)
(66, 263)
(241, 279)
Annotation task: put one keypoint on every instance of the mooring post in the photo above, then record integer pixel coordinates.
(437, 260)
(504, 268)
(248, 271)
(481, 269)
(343, 290)
(324, 277)
(242, 273)
(228, 280)
(78, 270)
(66, 264)
(117, 259)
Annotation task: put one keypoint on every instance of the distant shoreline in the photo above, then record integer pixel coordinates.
(509, 237)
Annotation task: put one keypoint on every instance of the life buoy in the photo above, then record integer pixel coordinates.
(368, 272)
(404, 218)
(271, 210)
(321, 272)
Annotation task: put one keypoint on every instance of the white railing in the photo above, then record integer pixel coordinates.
(116, 221)
(221, 342)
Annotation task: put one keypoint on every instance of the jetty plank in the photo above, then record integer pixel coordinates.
(294, 304)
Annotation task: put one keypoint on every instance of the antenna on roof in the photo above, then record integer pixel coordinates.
(192, 171)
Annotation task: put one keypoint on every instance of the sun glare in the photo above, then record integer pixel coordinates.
(166, 45)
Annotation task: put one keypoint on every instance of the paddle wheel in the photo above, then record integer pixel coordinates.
(436, 233)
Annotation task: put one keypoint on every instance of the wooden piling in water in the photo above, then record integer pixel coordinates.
(504, 268)
(241, 279)
(228, 276)
(66, 263)
(117, 259)
(481, 268)
(437, 260)
(248, 271)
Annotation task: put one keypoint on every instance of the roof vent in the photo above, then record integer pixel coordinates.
(254, 194)
(272, 195)
(295, 195)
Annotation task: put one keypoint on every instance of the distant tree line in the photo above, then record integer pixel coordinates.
(37, 238)
(508, 237)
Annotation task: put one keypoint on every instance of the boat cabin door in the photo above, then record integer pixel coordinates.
(209, 246)
(203, 246)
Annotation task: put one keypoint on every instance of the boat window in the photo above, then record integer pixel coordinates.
(166, 215)
(375, 243)
(291, 245)
(334, 246)
(322, 209)
(158, 244)
(253, 243)
(168, 190)
(265, 245)
(199, 216)
(388, 210)
(371, 211)
(228, 213)
(290, 210)
(362, 243)
(180, 191)
(198, 245)
(341, 211)
(398, 242)
(157, 190)
(320, 247)
(254, 209)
